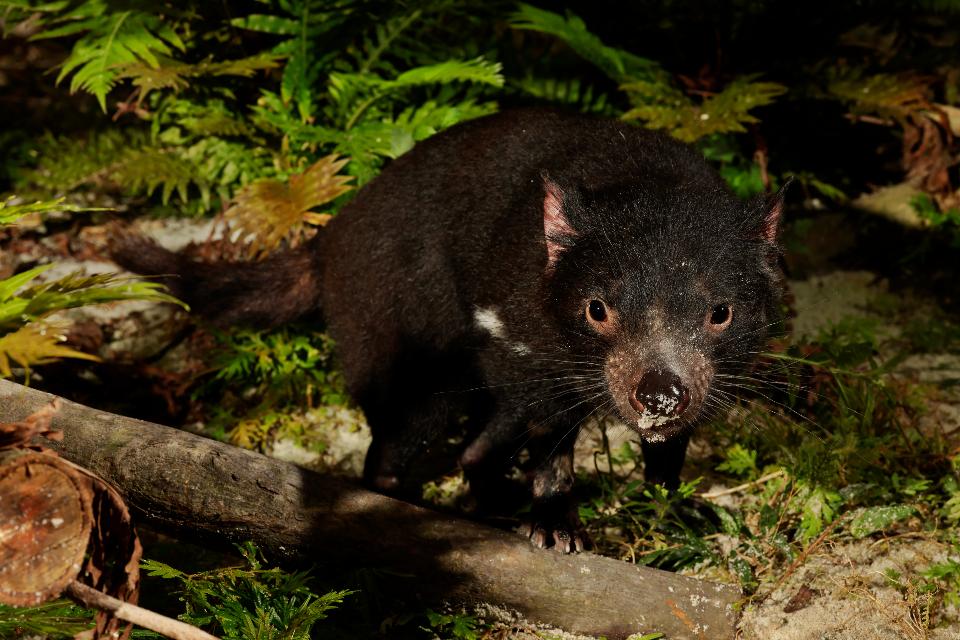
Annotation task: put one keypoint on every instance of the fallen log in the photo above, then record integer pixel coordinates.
(60, 525)
(179, 481)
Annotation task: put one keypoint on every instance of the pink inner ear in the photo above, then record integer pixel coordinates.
(770, 226)
(555, 225)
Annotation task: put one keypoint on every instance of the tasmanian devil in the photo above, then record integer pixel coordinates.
(560, 265)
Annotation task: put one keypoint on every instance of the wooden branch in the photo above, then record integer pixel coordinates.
(711, 495)
(93, 599)
(184, 482)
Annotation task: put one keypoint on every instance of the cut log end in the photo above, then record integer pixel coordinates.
(45, 522)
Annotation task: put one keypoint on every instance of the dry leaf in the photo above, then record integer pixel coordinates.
(34, 343)
(268, 212)
(19, 434)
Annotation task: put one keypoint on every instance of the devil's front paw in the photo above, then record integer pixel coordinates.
(564, 534)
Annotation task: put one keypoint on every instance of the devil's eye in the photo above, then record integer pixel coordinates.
(597, 311)
(720, 316)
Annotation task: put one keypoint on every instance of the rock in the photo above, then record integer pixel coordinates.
(892, 202)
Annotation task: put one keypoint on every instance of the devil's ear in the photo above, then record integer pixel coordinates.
(772, 213)
(557, 230)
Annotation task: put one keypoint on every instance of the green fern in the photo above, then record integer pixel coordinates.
(117, 159)
(207, 147)
(66, 163)
(303, 22)
(176, 161)
(54, 620)
(11, 213)
(662, 106)
(224, 150)
(362, 107)
(111, 40)
(211, 117)
(365, 112)
(21, 302)
(175, 75)
(887, 95)
(390, 137)
(417, 123)
(24, 340)
(149, 170)
(238, 603)
(617, 64)
(570, 92)
(286, 364)
(355, 93)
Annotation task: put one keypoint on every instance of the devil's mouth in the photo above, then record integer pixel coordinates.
(654, 428)
(648, 421)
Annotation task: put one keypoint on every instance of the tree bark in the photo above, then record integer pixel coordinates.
(183, 482)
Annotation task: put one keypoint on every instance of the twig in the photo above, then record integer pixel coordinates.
(740, 487)
(90, 597)
(805, 554)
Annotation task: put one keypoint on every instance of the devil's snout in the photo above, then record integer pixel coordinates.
(660, 393)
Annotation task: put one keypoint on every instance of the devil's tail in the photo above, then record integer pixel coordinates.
(279, 289)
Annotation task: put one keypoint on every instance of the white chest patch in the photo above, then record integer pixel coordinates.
(489, 321)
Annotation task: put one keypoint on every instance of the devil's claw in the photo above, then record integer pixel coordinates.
(564, 537)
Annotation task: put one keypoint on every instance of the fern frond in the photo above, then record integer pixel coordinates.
(135, 162)
(384, 36)
(270, 24)
(276, 117)
(174, 75)
(212, 117)
(67, 163)
(306, 22)
(269, 211)
(150, 169)
(111, 40)
(11, 285)
(309, 18)
(662, 106)
(568, 91)
(392, 137)
(10, 213)
(33, 344)
(617, 64)
(20, 303)
(224, 164)
(149, 78)
(346, 89)
(354, 93)
(887, 95)
(477, 70)
(739, 97)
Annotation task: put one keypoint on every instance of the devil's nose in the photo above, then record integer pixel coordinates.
(660, 393)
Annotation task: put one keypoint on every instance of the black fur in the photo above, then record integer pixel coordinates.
(438, 278)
